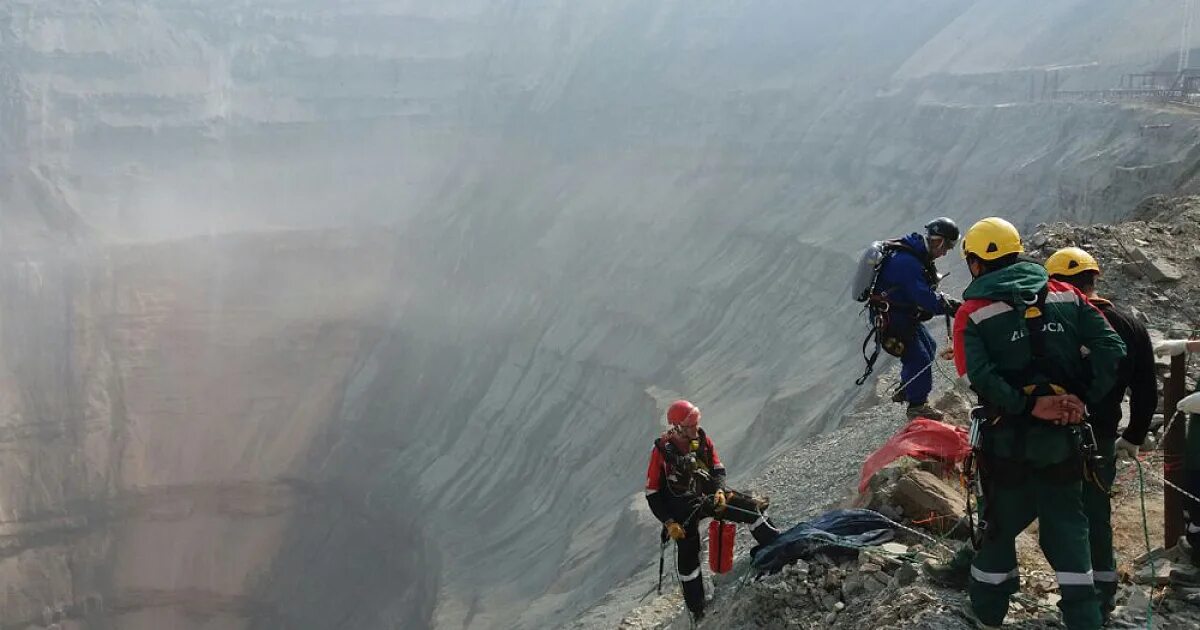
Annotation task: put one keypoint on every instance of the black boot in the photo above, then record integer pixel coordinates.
(765, 533)
(923, 410)
(954, 574)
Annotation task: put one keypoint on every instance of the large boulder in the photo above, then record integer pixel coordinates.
(923, 495)
(1154, 268)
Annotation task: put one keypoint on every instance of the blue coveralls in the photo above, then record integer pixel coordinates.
(907, 286)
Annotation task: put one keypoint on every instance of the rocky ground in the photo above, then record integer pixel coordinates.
(1151, 266)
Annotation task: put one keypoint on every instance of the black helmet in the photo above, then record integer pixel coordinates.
(943, 227)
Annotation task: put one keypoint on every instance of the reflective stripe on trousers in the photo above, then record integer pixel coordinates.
(1066, 578)
(1105, 576)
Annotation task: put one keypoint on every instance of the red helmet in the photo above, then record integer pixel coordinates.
(683, 414)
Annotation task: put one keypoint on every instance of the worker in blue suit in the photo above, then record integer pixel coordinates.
(908, 282)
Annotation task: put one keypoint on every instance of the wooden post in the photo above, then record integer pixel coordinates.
(1174, 444)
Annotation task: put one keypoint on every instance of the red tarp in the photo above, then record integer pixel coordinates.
(923, 439)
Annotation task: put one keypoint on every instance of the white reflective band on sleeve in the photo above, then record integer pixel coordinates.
(1193, 529)
(761, 521)
(994, 578)
(1105, 576)
(990, 311)
(691, 576)
(650, 492)
(1074, 579)
(1061, 297)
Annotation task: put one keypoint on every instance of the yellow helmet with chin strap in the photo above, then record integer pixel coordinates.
(992, 238)
(1070, 261)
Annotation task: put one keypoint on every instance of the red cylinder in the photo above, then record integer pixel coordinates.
(720, 546)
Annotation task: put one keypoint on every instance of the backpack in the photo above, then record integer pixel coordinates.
(884, 333)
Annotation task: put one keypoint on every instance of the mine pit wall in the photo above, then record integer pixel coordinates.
(162, 405)
(1030, 161)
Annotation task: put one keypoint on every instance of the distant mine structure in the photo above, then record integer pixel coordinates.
(1181, 87)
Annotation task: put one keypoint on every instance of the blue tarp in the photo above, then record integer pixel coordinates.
(828, 532)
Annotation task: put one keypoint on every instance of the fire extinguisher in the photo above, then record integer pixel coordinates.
(720, 546)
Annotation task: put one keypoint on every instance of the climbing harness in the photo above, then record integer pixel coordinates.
(882, 334)
(695, 464)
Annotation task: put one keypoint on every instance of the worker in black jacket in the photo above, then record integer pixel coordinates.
(1135, 374)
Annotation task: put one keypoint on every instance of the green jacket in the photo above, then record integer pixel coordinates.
(993, 351)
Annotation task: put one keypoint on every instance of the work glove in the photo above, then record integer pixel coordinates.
(719, 502)
(948, 353)
(675, 531)
(1171, 348)
(1190, 403)
(950, 305)
(1126, 449)
(1060, 409)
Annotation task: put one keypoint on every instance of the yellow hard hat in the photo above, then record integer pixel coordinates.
(992, 238)
(1069, 261)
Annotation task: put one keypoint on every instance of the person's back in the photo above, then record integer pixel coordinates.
(996, 318)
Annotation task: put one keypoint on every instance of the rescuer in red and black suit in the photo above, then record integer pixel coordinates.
(686, 483)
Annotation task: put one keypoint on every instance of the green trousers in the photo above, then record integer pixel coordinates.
(1097, 504)
(1191, 452)
(1191, 465)
(1063, 536)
